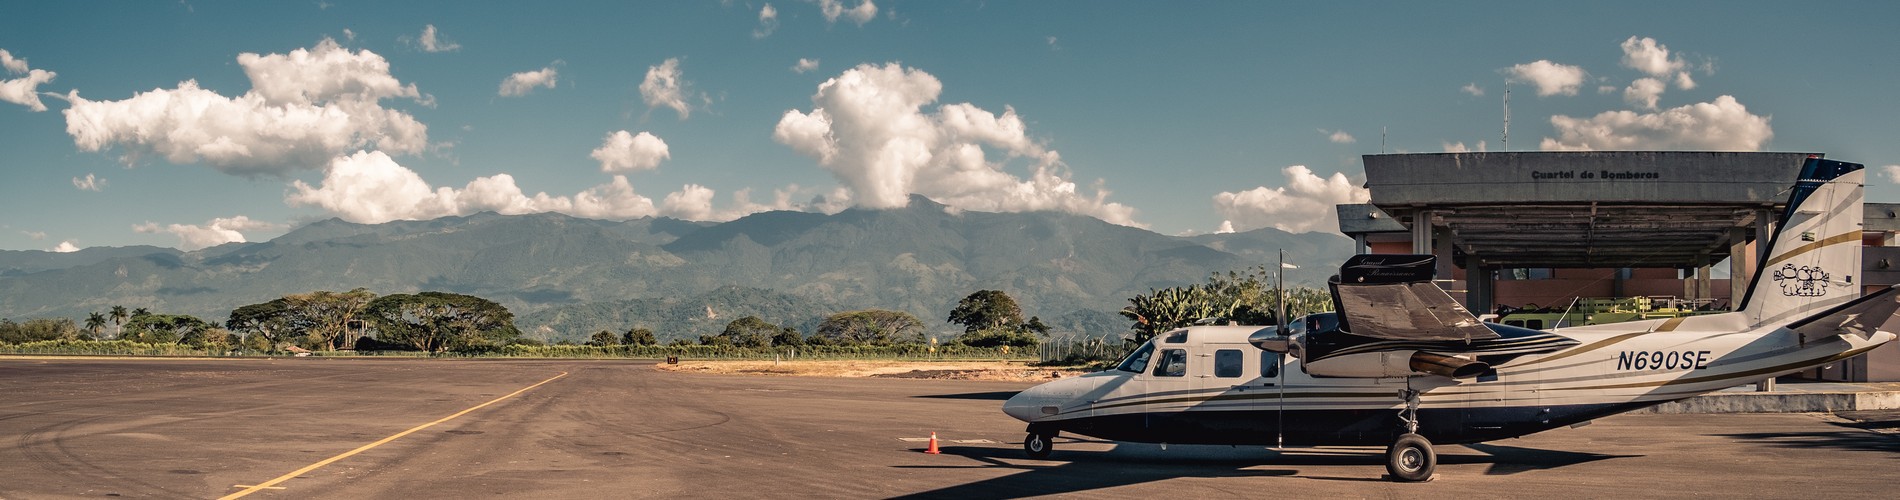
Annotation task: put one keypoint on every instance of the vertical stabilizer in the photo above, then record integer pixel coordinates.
(1813, 259)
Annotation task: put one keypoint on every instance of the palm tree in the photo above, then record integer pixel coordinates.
(141, 312)
(94, 323)
(118, 316)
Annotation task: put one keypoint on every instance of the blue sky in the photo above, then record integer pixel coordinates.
(1181, 117)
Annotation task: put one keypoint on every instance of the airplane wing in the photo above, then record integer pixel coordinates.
(1392, 297)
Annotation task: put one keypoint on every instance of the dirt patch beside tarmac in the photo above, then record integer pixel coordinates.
(944, 370)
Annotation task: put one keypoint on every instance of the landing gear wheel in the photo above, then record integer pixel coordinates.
(1039, 444)
(1410, 459)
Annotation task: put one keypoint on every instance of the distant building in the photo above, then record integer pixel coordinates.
(1548, 228)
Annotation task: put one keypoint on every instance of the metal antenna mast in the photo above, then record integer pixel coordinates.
(1507, 115)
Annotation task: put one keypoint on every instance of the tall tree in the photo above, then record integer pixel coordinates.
(269, 323)
(118, 318)
(639, 336)
(94, 323)
(749, 331)
(788, 336)
(987, 310)
(604, 338)
(327, 314)
(439, 321)
(871, 326)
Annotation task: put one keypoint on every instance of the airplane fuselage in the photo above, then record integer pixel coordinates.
(1230, 392)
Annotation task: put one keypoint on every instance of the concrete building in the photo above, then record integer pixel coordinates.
(1546, 228)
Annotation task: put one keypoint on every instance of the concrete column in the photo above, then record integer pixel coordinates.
(1441, 247)
(1764, 231)
(1703, 289)
(1617, 283)
(1422, 232)
(1480, 286)
(1359, 245)
(1739, 265)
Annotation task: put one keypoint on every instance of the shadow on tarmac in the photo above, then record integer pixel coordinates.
(1073, 471)
(983, 396)
(1857, 437)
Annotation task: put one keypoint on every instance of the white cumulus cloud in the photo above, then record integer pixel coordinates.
(23, 91)
(1473, 89)
(12, 64)
(663, 87)
(89, 183)
(1338, 136)
(805, 65)
(1653, 59)
(520, 84)
(768, 22)
(622, 151)
(370, 188)
(1550, 78)
(869, 128)
(303, 109)
(65, 247)
(1893, 174)
(833, 9)
(1721, 125)
(431, 41)
(1306, 203)
(216, 232)
(1644, 93)
(40, 235)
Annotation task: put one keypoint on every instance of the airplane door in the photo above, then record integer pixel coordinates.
(1173, 374)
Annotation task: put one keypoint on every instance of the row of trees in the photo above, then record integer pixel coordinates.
(990, 319)
(1246, 298)
(320, 320)
(439, 321)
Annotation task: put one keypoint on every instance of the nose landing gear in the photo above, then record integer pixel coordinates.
(1039, 444)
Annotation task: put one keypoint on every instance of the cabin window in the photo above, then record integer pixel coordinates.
(1227, 363)
(1137, 361)
(1173, 363)
(1269, 364)
(1176, 338)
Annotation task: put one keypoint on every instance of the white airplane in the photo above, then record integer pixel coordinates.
(1403, 365)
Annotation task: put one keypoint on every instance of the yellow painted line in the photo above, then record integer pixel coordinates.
(264, 487)
(348, 454)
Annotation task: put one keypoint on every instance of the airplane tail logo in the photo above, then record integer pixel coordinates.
(1815, 253)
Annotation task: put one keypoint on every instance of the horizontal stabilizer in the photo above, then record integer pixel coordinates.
(1860, 318)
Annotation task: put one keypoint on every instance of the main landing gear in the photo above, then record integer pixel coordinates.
(1410, 458)
(1039, 443)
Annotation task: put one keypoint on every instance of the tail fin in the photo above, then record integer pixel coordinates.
(1814, 256)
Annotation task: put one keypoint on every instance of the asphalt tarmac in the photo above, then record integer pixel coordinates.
(410, 429)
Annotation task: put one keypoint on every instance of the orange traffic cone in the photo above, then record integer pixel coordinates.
(933, 444)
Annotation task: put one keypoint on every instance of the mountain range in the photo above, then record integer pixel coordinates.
(567, 277)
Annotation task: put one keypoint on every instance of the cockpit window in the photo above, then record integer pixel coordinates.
(1323, 322)
(1173, 363)
(1269, 364)
(1137, 361)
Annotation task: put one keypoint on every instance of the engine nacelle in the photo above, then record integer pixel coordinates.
(1390, 364)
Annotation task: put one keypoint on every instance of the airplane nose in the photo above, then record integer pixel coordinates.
(1022, 406)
